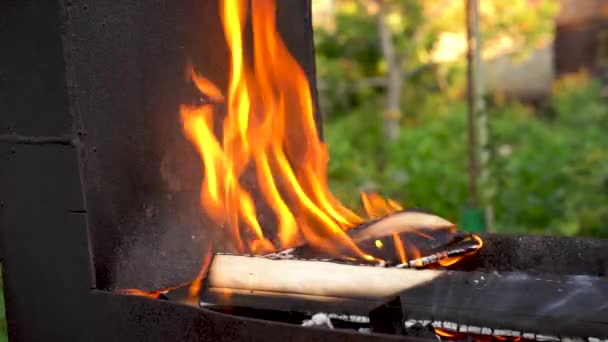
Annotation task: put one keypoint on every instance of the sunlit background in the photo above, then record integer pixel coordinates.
(392, 83)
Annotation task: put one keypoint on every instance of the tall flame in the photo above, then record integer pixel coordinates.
(266, 117)
(268, 126)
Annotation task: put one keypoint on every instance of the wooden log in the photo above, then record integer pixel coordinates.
(562, 305)
(348, 285)
(400, 222)
(306, 284)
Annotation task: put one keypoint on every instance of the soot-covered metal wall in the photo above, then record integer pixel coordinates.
(107, 77)
(98, 187)
(126, 63)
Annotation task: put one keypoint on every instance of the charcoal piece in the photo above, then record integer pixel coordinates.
(549, 304)
(388, 318)
(180, 294)
(420, 330)
(460, 245)
(353, 322)
(290, 317)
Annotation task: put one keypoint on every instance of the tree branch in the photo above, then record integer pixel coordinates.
(386, 42)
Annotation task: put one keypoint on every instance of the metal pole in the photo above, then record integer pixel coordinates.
(483, 130)
(471, 146)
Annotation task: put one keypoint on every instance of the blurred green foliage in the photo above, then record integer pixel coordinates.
(350, 63)
(550, 167)
(549, 162)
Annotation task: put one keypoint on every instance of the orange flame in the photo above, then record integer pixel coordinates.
(444, 333)
(195, 288)
(375, 206)
(400, 249)
(268, 126)
(452, 260)
(140, 293)
(460, 336)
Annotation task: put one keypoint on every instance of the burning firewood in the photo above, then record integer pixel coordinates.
(387, 293)
(306, 284)
(309, 277)
(405, 239)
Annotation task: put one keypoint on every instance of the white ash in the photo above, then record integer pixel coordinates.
(286, 254)
(474, 330)
(500, 332)
(450, 326)
(572, 339)
(318, 320)
(410, 323)
(350, 318)
(436, 324)
(422, 262)
(462, 328)
(486, 331)
(322, 319)
(506, 332)
(425, 322)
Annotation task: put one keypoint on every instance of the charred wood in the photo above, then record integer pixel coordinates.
(408, 238)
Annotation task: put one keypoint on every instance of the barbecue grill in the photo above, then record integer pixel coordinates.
(100, 192)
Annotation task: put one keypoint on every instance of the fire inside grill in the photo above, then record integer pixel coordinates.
(264, 121)
(269, 126)
(319, 256)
